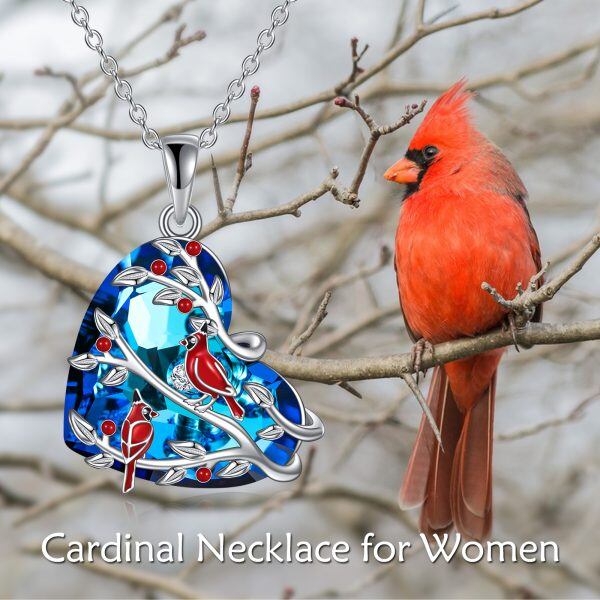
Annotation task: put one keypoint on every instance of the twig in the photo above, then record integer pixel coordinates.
(356, 56)
(330, 284)
(82, 489)
(355, 326)
(298, 342)
(414, 388)
(25, 406)
(574, 414)
(135, 577)
(350, 196)
(217, 187)
(69, 77)
(245, 160)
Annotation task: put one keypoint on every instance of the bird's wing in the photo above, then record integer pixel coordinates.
(211, 373)
(515, 189)
(221, 370)
(536, 253)
(411, 333)
(136, 438)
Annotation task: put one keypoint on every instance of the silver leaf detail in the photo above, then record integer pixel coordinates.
(198, 323)
(217, 291)
(106, 326)
(186, 275)
(188, 449)
(131, 276)
(83, 362)
(171, 477)
(260, 394)
(168, 246)
(273, 432)
(236, 468)
(167, 297)
(81, 428)
(100, 461)
(115, 376)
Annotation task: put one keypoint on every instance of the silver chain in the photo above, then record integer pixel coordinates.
(221, 112)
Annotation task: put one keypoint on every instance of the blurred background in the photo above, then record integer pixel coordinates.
(91, 191)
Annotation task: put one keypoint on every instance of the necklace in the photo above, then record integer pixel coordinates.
(158, 388)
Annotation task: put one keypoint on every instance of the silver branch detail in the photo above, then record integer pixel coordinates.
(251, 347)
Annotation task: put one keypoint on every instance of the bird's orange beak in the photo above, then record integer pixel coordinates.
(404, 171)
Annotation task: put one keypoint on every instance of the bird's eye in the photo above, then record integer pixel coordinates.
(429, 152)
(146, 411)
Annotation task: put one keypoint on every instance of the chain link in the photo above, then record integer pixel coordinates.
(138, 114)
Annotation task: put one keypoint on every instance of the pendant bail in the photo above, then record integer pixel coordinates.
(180, 154)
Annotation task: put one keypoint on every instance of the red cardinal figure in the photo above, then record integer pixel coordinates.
(205, 372)
(136, 436)
(463, 222)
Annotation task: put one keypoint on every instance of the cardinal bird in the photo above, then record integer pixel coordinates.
(205, 372)
(463, 221)
(136, 436)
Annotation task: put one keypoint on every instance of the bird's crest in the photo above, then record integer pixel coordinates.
(448, 121)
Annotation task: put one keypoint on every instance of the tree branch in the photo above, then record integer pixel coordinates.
(378, 367)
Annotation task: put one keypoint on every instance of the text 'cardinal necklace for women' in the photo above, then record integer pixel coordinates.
(158, 387)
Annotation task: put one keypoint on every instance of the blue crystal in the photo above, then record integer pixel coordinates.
(154, 332)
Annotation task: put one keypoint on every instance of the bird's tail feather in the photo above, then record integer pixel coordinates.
(471, 495)
(129, 476)
(452, 483)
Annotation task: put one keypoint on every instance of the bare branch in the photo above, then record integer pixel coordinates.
(245, 160)
(350, 195)
(217, 187)
(297, 343)
(379, 367)
(573, 415)
(414, 388)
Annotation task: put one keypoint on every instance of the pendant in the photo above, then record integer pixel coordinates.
(158, 387)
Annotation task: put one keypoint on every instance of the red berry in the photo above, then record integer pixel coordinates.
(103, 344)
(203, 474)
(108, 427)
(184, 305)
(193, 248)
(159, 267)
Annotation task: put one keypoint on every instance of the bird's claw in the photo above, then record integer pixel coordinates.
(511, 325)
(197, 407)
(416, 353)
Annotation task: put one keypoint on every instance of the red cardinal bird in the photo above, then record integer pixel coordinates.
(136, 436)
(205, 372)
(463, 222)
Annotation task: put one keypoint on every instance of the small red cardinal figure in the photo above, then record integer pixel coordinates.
(463, 222)
(205, 372)
(136, 436)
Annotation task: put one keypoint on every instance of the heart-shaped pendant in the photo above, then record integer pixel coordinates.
(159, 389)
